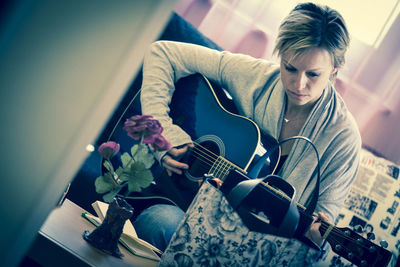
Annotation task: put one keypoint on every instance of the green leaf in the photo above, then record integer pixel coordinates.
(138, 166)
(130, 173)
(125, 173)
(126, 160)
(103, 184)
(124, 176)
(138, 177)
(141, 153)
(119, 172)
(109, 197)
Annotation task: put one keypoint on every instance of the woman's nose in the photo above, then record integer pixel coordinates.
(300, 82)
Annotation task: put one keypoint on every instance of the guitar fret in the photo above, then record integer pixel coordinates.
(223, 163)
(220, 165)
(228, 168)
(214, 168)
(327, 232)
(225, 170)
(220, 169)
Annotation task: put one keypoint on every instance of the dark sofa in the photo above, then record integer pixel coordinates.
(82, 190)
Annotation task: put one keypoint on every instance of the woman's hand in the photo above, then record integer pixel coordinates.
(171, 161)
(314, 232)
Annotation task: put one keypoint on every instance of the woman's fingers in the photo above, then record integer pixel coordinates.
(314, 232)
(323, 216)
(171, 163)
(176, 152)
(173, 166)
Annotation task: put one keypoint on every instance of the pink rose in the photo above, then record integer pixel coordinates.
(108, 149)
(143, 126)
(154, 127)
(160, 143)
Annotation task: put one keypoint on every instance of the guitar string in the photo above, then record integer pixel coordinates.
(206, 161)
(347, 250)
(207, 154)
(325, 226)
(206, 150)
(210, 156)
(204, 164)
(347, 238)
(220, 167)
(198, 153)
(226, 165)
(223, 171)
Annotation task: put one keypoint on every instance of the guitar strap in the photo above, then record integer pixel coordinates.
(254, 172)
(288, 225)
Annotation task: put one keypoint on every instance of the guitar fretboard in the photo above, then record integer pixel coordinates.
(221, 168)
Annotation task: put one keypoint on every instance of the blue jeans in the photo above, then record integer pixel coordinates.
(158, 223)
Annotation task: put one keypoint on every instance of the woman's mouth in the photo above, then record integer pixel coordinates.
(297, 95)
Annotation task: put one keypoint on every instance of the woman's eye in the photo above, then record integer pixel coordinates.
(290, 69)
(312, 74)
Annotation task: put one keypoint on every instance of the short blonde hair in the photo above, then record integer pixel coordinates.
(308, 26)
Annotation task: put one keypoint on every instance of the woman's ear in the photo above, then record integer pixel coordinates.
(333, 74)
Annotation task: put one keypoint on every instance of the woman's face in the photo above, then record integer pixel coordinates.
(305, 76)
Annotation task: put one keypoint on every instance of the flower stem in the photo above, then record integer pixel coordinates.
(111, 176)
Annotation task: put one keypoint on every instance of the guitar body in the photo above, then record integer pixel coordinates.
(223, 139)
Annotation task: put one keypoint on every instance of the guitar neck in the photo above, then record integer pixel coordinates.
(353, 247)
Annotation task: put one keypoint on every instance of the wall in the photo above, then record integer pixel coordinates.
(64, 65)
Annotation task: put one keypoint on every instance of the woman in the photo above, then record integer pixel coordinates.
(295, 97)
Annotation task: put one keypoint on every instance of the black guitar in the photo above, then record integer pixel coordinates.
(225, 141)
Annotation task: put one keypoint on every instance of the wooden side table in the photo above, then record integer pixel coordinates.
(60, 243)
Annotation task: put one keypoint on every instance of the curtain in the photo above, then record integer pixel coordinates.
(369, 82)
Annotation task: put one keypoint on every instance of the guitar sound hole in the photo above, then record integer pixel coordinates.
(201, 158)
